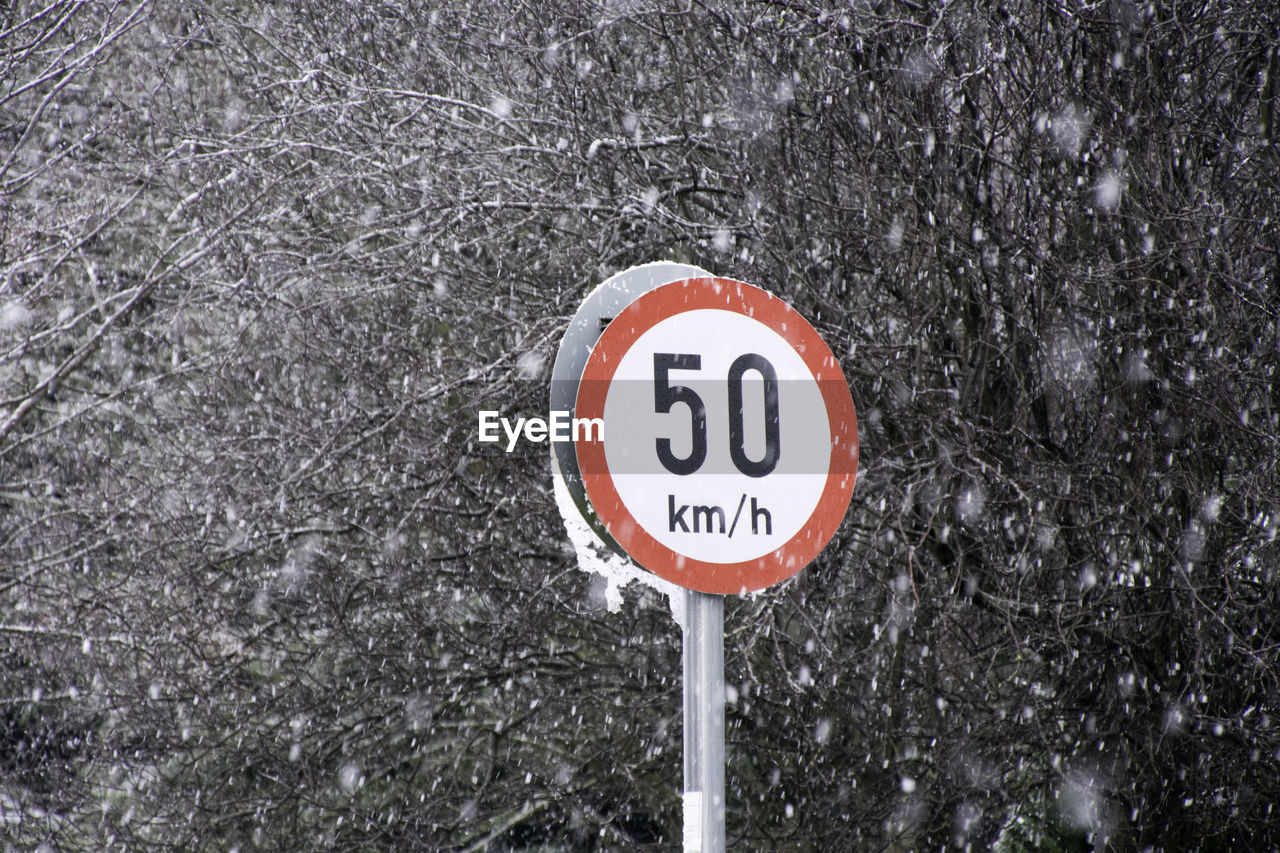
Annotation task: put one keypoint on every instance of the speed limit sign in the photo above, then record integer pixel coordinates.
(730, 442)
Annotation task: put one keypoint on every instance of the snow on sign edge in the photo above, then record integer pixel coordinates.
(594, 557)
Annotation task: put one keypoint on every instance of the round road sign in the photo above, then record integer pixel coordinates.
(595, 313)
(730, 442)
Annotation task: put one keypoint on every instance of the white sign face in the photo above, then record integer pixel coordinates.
(736, 389)
(730, 441)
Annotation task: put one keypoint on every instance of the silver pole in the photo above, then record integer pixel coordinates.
(703, 723)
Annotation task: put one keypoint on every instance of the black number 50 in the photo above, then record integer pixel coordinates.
(666, 395)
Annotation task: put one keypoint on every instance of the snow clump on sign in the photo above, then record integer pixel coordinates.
(594, 557)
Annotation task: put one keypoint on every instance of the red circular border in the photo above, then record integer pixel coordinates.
(724, 294)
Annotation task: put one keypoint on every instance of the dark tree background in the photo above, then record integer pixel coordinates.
(261, 265)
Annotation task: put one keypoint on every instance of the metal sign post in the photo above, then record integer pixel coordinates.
(703, 723)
